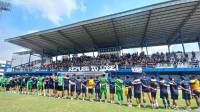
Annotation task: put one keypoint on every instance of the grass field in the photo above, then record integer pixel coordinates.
(26, 103)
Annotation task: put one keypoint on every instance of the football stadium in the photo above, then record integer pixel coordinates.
(81, 67)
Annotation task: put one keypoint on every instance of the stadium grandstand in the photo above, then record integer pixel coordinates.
(168, 23)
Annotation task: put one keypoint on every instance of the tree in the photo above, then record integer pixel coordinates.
(4, 6)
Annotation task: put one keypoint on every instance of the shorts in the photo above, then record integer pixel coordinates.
(90, 90)
(66, 88)
(34, 86)
(83, 90)
(97, 91)
(196, 93)
(30, 86)
(103, 90)
(40, 87)
(186, 96)
(174, 96)
(72, 88)
(153, 94)
(137, 95)
(51, 86)
(164, 95)
(129, 95)
(146, 90)
(59, 88)
(24, 85)
(78, 92)
(112, 90)
(46, 86)
(7, 86)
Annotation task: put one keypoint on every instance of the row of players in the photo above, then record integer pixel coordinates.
(63, 86)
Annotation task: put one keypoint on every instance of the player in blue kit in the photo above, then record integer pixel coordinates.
(164, 92)
(35, 85)
(51, 86)
(186, 91)
(97, 89)
(111, 83)
(146, 90)
(128, 89)
(174, 92)
(78, 87)
(66, 86)
(72, 83)
(137, 84)
(84, 88)
(154, 86)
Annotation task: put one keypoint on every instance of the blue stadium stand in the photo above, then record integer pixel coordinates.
(152, 71)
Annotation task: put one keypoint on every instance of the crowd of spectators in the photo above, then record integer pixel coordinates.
(125, 60)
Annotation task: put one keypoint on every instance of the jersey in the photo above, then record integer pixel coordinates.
(195, 85)
(146, 82)
(112, 83)
(127, 82)
(30, 82)
(60, 80)
(78, 84)
(119, 84)
(153, 87)
(1, 80)
(163, 88)
(91, 83)
(72, 79)
(84, 82)
(173, 87)
(186, 85)
(40, 81)
(103, 82)
(97, 84)
(137, 86)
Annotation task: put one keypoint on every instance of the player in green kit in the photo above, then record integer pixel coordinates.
(40, 85)
(60, 87)
(103, 85)
(119, 89)
(1, 83)
(30, 85)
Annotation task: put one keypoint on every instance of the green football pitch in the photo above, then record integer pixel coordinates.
(27, 103)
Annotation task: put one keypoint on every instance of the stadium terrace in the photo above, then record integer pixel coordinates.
(168, 23)
(139, 75)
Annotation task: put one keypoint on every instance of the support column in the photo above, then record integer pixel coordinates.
(42, 60)
(182, 45)
(29, 61)
(169, 48)
(146, 48)
(199, 44)
(56, 59)
(147, 51)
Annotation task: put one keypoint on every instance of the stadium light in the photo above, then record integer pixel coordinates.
(4, 6)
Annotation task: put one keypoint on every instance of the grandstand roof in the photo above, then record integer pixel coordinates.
(158, 24)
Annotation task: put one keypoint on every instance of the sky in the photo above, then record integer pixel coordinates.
(28, 16)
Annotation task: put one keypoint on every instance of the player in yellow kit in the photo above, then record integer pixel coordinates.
(91, 88)
(195, 87)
